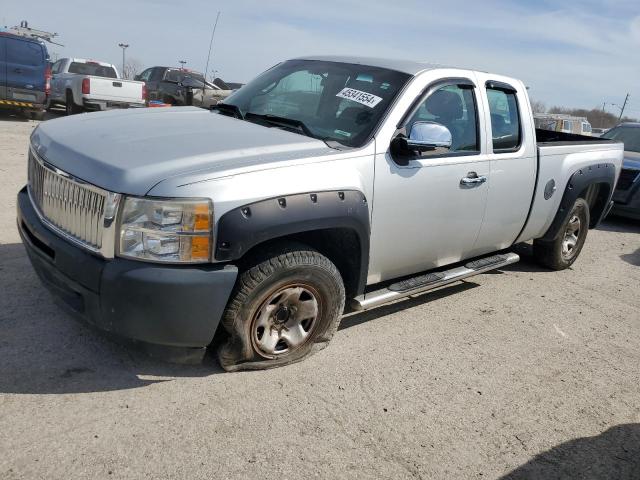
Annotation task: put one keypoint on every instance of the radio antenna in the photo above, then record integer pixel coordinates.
(206, 68)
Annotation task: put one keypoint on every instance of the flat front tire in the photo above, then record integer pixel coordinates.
(286, 306)
(560, 253)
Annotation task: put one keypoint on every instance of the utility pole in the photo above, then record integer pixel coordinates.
(123, 46)
(623, 106)
(182, 64)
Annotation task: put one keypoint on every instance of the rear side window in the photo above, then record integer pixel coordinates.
(146, 75)
(505, 119)
(93, 69)
(24, 53)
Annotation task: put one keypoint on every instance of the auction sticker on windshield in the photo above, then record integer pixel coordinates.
(359, 96)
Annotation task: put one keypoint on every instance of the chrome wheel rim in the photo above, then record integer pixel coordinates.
(571, 236)
(285, 321)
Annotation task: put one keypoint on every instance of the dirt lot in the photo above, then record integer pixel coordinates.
(523, 373)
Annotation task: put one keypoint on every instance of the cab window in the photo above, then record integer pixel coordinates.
(453, 106)
(505, 119)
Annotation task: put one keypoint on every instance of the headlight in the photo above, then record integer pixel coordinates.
(175, 231)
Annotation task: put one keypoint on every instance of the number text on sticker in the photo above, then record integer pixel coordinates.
(359, 96)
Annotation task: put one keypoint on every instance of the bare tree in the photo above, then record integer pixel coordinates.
(538, 107)
(131, 68)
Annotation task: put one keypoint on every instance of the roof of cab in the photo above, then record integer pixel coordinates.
(407, 66)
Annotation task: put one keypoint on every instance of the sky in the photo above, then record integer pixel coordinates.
(577, 54)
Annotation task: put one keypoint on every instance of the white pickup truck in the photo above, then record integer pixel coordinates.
(323, 181)
(81, 85)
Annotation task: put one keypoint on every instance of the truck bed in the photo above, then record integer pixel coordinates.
(550, 138)
(559, 155)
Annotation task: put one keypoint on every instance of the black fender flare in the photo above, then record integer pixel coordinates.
(252, 224)
(602, 173)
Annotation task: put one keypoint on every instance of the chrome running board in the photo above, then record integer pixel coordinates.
(430, 281)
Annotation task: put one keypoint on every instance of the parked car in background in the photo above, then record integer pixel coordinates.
(81, 85)
(323, 181)
(174, 85)
(627, 195)
(24, 74)
(597, 132)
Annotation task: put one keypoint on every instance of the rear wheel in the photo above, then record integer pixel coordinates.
(560, 253)
(286, 306)
(37, 115)
(70, 106)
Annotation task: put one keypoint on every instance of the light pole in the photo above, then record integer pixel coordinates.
(182, 64)
(123, 46)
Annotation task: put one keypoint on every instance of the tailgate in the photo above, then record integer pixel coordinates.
(115, 90)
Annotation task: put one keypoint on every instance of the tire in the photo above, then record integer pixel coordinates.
(263, 319)
(564, 250)
(38, 115)
(70, 106)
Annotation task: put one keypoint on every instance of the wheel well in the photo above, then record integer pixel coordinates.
(340, 245)
(596, 195)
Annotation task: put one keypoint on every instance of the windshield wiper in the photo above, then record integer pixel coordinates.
(226, 108)
(281, 122)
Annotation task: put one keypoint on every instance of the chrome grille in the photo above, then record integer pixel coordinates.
(71, 206)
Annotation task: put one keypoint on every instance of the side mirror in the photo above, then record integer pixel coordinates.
(426, 136)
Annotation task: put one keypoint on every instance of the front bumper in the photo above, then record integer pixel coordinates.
(169, 311)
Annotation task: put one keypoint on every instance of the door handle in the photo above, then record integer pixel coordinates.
(17, 70)
(472, 178)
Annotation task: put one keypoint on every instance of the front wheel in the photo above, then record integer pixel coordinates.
(286, 306)
(560, 253)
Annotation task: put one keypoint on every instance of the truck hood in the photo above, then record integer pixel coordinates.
(631, 160)
(130, 151)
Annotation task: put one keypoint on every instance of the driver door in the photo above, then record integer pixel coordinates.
(425, 215)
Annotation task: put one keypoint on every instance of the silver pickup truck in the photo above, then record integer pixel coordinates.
(324, 181)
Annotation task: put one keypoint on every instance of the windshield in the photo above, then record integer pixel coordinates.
(630, 136)
(193, 79)
(334, 101)
(93, 69)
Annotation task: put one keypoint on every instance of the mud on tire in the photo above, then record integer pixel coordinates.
(286, 305)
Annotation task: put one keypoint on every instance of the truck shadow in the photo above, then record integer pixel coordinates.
(43, 350)
(614, 453)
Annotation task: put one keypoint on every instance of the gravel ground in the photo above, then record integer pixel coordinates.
(519, 374)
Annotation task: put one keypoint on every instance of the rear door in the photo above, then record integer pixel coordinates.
(513, 161)
(26, 62)
(3, 69)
